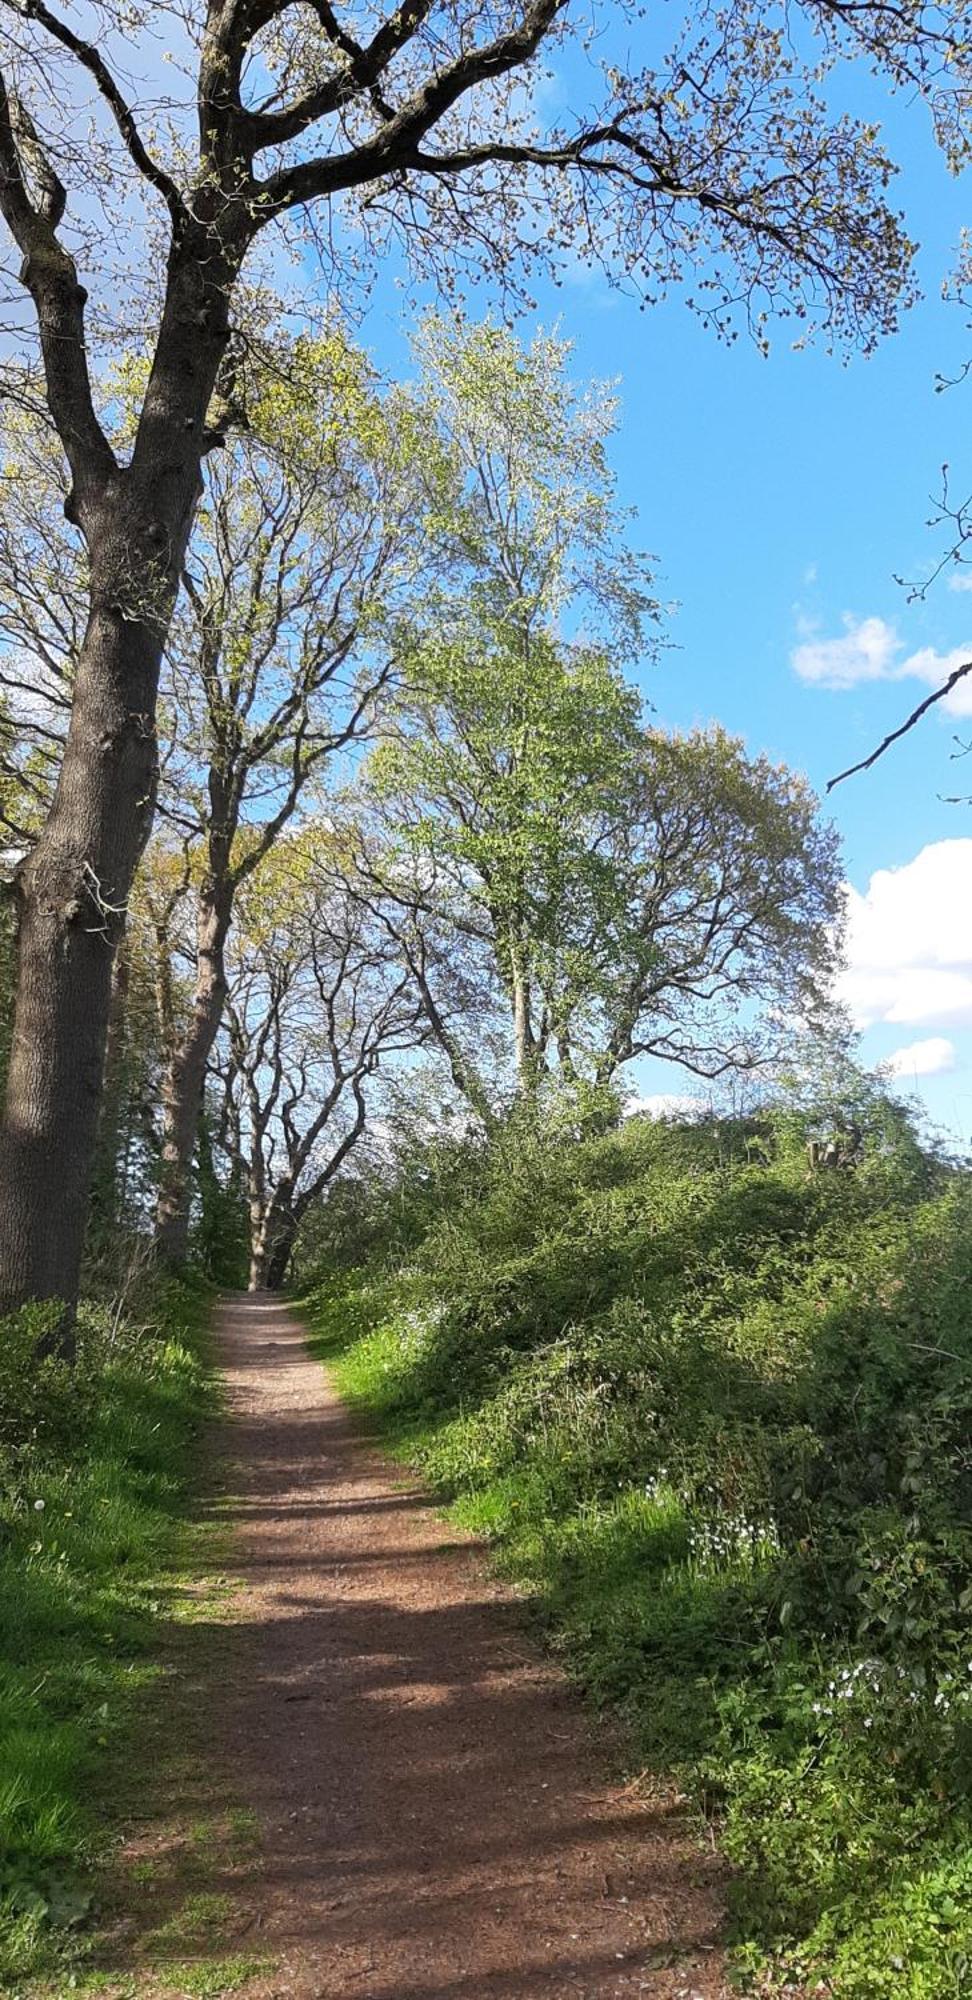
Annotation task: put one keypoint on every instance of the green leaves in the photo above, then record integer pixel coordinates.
(524, 488)
(714, 1415)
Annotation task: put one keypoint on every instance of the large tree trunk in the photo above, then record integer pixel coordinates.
(273, 1229)
(72, 891)
(279, 1260)
(259, 1219)
(74, 886)
(185, 1083)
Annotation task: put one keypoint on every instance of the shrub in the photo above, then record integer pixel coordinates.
(714, 1409)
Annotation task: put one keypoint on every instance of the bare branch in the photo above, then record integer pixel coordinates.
(909, 723)
(395, 145)
(92, 60)
(51, 278)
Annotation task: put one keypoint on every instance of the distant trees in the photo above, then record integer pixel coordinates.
(729, 901)
(309, 534)
(568, 899)
(503, 740)
(316, 1004)
(569, 888)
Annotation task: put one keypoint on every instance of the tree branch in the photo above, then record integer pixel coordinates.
(909, 723)
(394, 146)
(50, 276)
(94, 63)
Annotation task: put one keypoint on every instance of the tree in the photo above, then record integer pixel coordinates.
(501, 733)
(308, 536)
(315, 1006)
(420, 122)
(568, 888)
(485, 854)
(726, 932)
(603, 890)
(127, 1152)
(303, 551)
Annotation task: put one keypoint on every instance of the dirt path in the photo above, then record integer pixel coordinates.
(435, 1819)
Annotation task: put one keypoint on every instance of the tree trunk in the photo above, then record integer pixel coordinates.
(259, 1218)
(281, 1252)
(273, 1227)
(280, 1233)
(72, 891)
(185, 1084)
(524, 1042)
(108, 1179)
(73, 888)
(257, 1280)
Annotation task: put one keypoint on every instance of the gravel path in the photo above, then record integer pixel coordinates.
(435, 1819)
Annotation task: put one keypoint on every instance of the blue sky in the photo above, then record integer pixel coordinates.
(780, 498)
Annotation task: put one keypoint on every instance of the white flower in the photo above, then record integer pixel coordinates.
(38, 1506)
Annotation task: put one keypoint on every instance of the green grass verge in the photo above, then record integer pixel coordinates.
(96, 1519)
(715, 1417)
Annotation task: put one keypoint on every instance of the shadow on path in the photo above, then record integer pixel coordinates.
(434, 1821)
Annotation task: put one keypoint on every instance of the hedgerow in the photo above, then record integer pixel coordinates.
(714, 1411)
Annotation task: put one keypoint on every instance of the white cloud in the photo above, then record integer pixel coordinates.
(908, 999)
(960, 580)
(869, 649)
(866, 652)
(935, 668)
(931, 1057)
(909, 941)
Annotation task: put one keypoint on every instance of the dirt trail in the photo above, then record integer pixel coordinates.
(436, 1823)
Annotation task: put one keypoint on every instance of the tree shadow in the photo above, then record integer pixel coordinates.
(433, 1818)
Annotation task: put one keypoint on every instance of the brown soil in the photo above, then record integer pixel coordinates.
(435, 1819)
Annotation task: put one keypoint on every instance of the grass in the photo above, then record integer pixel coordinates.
(714, 1414)
(208, 1980)
(176, 1979)
(197, 1916)
(96, 1527)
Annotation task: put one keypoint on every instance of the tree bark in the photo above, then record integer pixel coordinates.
(73, 888)
(109, 1189)
(259, 1217)
(71, 895)
(273, 1228)
(185, 1082)
(281, 1250)
(524, 1040)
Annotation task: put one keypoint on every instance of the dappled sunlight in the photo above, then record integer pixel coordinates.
(433, 1815)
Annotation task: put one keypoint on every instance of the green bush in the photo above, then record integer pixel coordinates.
(714, 1409)
(94, 1463)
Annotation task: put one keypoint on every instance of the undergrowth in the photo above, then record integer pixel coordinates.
(94, 1516)
(714, 1411)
